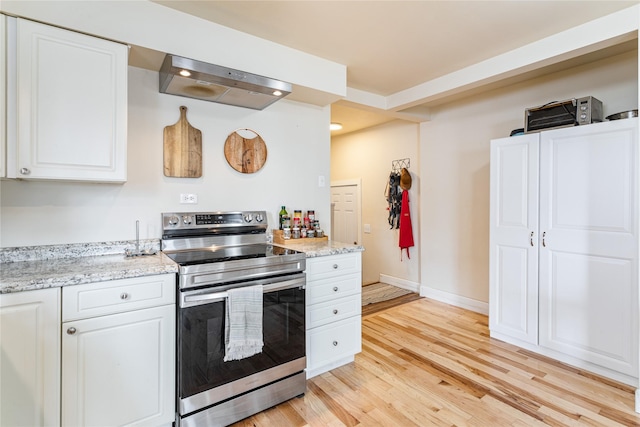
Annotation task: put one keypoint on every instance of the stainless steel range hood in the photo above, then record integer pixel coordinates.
(194, 79)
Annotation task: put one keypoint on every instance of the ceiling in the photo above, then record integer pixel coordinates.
(390, 46)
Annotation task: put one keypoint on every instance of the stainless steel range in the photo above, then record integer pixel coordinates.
(218, 252)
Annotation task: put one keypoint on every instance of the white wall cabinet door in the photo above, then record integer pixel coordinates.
(30, 358)
(589, 251)
(3, 95)
(71, 106)
(119, 369)
(513, 306)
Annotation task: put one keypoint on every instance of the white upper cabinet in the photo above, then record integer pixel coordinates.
(3, 95)
(71, 106)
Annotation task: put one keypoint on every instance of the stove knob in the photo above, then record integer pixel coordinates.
(186, 219)
(248, 218)
(259, 218)
(174, 220)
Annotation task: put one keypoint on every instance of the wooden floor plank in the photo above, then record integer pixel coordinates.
(425, 363)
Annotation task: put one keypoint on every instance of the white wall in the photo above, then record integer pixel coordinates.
(298, 144)
(454, 166)
(367, 155)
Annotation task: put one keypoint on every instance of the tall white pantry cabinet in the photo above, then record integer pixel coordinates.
(564, 245)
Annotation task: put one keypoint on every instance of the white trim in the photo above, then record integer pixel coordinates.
(457, 300)
(400, 283)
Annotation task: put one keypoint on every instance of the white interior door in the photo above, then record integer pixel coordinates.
(345, 218)
(588, 253)
(513, 308)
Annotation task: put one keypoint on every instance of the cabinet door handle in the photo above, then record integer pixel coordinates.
(335, 343)
(124, 296)
(335, 311)
(335, 289)
(335, 266)
(71, 331)
(531, 238)
(25, 171)
(544, 244)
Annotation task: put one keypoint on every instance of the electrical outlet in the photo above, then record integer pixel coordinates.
(188, 198)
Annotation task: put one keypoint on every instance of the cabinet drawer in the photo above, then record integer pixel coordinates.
(333, 310)
(333, 266)
(330, 289)
(116, 296)
(334, 341)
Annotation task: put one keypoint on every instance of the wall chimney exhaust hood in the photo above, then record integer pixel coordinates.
(194, 79)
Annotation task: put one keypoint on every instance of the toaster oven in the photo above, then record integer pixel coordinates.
(571, 112)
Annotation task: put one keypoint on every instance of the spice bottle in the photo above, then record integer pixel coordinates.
(283, 213)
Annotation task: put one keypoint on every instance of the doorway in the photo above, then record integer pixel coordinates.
(345, 211)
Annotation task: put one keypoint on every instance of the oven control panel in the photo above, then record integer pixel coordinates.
(196, 220)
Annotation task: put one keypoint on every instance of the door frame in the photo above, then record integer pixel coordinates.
(358, 184)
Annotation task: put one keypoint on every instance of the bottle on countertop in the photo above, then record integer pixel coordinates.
(283, 213)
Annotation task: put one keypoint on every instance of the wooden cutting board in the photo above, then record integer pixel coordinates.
(246, 155)
(182, 149)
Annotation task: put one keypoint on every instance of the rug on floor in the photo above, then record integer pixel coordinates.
(378, 292)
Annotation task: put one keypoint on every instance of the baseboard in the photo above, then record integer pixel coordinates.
(400, 283)
(457, 300)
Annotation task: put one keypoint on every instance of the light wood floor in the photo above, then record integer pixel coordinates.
(426, 363)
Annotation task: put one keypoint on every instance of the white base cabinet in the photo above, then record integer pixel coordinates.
(30, 358)
(333, 314)
(118, 353)
(564, 245)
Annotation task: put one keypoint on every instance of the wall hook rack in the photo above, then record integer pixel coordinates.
(397, 165)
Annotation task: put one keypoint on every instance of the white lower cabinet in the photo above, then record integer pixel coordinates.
(564, 245)
(334, 308)
(118, 353)
(30, 358)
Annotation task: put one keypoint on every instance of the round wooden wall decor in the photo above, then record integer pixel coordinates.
(245, 151)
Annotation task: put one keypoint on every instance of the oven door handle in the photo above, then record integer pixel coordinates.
(221, 296)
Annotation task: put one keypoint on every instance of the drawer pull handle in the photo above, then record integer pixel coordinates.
(124, 296)
(25, 171)
(71, 331)
(335, 311)
(335, 266)
(335, 343)
(335, 289)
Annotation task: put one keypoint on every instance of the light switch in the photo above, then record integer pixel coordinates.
(367, 228)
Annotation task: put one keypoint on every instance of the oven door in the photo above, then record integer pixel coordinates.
(204, 379)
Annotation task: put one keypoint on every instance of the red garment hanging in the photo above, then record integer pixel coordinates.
(406, 230)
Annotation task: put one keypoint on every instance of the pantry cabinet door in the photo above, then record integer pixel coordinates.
(72, 105)
(30, 358)
(513, 299)
(588, 254)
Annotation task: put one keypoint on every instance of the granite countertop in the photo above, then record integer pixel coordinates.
(31, 268)
(40, 267)
(319, 248)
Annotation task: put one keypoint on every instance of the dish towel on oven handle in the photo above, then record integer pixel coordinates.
(243, 323)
